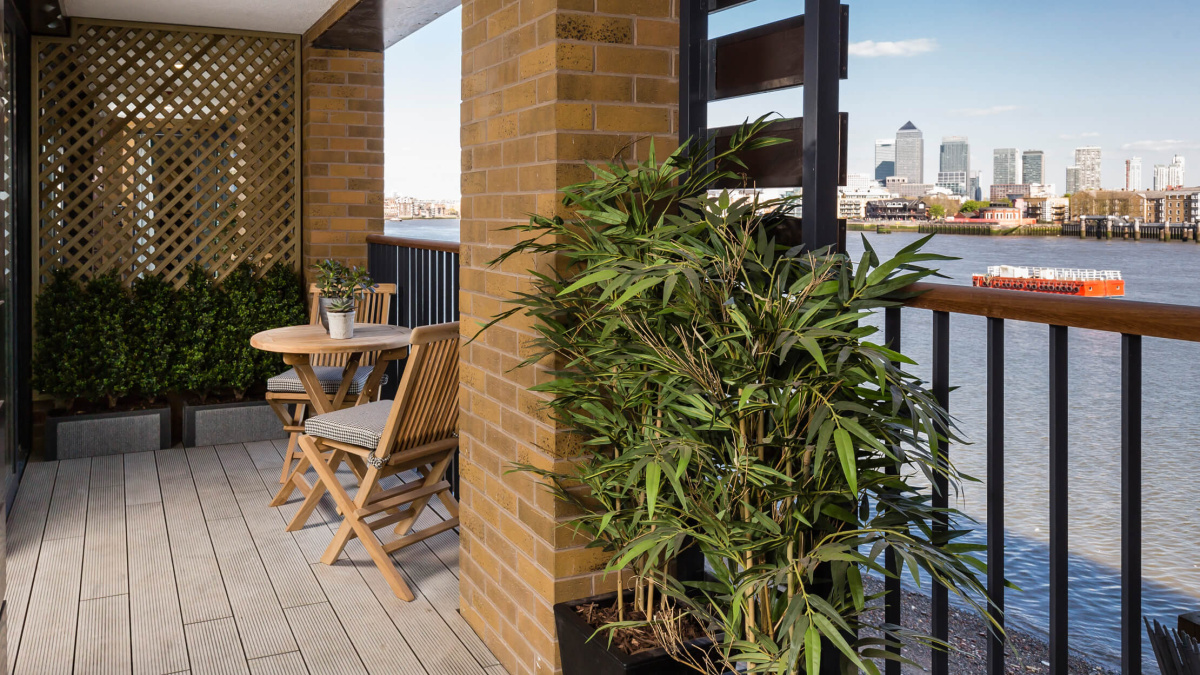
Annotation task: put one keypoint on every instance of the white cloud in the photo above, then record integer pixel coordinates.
(984, 112)
(872, 49)
(1161, 146)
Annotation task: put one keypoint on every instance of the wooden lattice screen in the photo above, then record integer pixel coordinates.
(163, 146)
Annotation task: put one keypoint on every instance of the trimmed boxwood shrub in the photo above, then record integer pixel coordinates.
(99, 341)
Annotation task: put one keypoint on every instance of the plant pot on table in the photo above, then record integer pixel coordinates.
(341, 325)
(583, 651)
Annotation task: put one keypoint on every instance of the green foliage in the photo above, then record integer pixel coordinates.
(937, 211)
(100, 341)
(337, 281)
(729, 394)
(972, 206)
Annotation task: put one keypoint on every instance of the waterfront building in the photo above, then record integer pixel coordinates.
(910, 153)
(1045, 208)
(1088, 160)
(1174, 206)
(955, 158)
(1073, 177)
(1110, 203)
(1033, 167)
(954, 181)
(898, 209)
(995, 216)
(852, 202)
(1006, 167)
(1133, 174)
(885, 159)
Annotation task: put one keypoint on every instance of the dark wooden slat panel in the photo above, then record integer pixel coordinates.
(765, 58)
(778, 166)
(1151, 319)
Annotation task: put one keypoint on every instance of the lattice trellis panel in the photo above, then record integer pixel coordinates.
(163, 146)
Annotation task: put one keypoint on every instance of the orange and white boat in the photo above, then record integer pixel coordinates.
(1083, 283)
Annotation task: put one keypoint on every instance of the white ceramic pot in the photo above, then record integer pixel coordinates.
(341, 325)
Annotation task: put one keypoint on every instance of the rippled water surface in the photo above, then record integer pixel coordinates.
(1154, 272)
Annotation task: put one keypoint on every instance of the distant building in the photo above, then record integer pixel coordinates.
(955, 159)
(885, 159)
(1121, 203)
(1073, 179)
(910, 153)
(898, 209)
(1175, 173)
(1011, 191)
(852, 202)
(1006, 169)
(1046, 208)
(1173, 206)
(954, 181)
(1088, 159)
(916, 189)
(1002, 216)
(1133, 174)
(1160, 181)
(1033, 167)
(859, 180)
(894, 181)
(975, 186)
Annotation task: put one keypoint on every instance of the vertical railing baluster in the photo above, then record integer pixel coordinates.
(893, 601)
(1131, 504)
(1058, 499)
(940, 614)
(995, 492)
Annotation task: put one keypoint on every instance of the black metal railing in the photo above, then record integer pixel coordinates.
(426, 276)
(1133, 321)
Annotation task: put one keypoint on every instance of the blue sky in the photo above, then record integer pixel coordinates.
(1049, 75)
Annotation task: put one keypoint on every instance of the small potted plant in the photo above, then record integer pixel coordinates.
(338, 284)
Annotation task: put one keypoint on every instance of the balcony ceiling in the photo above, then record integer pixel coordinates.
(277, 16)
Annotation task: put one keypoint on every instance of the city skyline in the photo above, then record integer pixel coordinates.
(900, 69)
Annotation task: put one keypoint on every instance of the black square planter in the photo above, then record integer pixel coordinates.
(112, 433)
(580, 656)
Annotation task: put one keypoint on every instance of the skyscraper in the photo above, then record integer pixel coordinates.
(910, 153)
(1133, 174)
(1033, 167)
(1088, 161)
(1175, 177)
(885, 159)
(1005, 168)
(1162, 179)
(1073, 179)
(974, 186)
(954, 167)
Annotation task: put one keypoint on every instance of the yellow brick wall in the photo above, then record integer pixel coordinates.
(547, 85)
(342, 153)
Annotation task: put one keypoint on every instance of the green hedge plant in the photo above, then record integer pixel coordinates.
(100, 341)
(731, 398)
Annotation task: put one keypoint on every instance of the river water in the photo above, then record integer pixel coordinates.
(1154, 272)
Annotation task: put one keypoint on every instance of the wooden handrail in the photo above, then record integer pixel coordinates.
(1151, 319)
(424, 244)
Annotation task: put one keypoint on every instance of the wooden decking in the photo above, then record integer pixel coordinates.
(172, 562)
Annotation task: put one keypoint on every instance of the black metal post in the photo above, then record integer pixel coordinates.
(939, 620)
(893, 601)
(822, 126)
(995, 491)
(1131, 504)
(1058, 499)
(693, 70)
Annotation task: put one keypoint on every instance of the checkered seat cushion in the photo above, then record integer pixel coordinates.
(330, 377)
(361, 425)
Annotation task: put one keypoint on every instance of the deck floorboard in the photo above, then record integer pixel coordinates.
(172, 562)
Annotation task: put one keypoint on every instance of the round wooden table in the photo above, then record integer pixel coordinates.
(299, 344)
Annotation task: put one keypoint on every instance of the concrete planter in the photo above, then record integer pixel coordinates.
(220, 423)
(114, 433)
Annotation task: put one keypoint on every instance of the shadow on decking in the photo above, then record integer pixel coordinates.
(172, 562)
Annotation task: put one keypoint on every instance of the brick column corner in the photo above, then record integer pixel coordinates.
(342, 153)
(547, 86)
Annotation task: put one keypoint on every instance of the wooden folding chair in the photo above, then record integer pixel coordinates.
(418, 431)
(286, 390)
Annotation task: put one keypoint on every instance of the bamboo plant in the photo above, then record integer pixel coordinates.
(733, 399)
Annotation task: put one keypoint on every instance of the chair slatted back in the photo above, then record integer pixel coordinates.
(426, 406)
(371, 308)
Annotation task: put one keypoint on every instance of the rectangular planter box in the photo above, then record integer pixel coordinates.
(220, 423)
(112, 433)
(583, 657)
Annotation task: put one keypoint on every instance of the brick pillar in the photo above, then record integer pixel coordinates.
(342, 153)
(547, 85)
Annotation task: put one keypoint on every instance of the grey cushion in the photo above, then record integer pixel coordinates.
(361, 425)
(330, 377)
